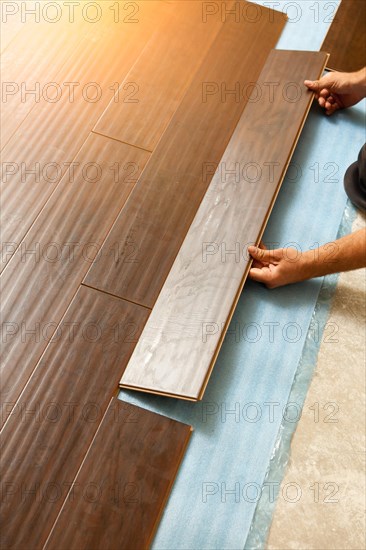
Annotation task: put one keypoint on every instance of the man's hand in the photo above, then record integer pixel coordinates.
(288, 265)
(276, 267)
(338, 90)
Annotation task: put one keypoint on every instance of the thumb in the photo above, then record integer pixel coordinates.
(312, 85)
(318, 85)
(260, 254)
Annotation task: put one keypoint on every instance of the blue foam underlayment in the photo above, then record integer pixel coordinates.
(261, 523)
(232, 451)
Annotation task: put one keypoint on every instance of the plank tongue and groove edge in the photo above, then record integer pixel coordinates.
(49, 431)
(165, 200)
(181, 340)
(129, 469)
(154, 87)
(44, 146)
(346, 37)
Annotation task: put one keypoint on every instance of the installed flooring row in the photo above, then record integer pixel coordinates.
(346, 37)
(109, 192)
(77, 467)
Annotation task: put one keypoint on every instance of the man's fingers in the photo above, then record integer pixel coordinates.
(330, 106)
(260, 275)
(324, 93)
(257, 263)
(330, 103)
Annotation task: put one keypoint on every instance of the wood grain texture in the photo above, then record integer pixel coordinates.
(11, 24)
(163, 204)
(31, 66)
(130, 467)
(43, 275)
(52, 426)
(52, 134)
(346, 37)
(160, 77)
(181, 340)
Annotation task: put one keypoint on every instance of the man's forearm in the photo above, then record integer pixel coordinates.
(345, 254)
(358, 80)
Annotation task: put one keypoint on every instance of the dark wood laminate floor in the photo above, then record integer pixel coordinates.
(162, 206)
(45, 439)
(66, 345)
(132, 463)
(42, 148)
(38, 287)
(346, 37)
(156, 84)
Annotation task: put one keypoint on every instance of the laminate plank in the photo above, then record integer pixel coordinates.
(346, 37)
(30, 67)
(10, 23)
(53, 424)
(131, 465)
(163, 204)
(181, 340)
(43, 275)
(160, 77)
(52, 134)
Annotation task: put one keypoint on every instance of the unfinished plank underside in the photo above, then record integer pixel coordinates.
(165, 200)
(129, 471)
(346, 37)
(180, 342)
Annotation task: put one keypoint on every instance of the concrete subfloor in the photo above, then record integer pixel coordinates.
(321, 505)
